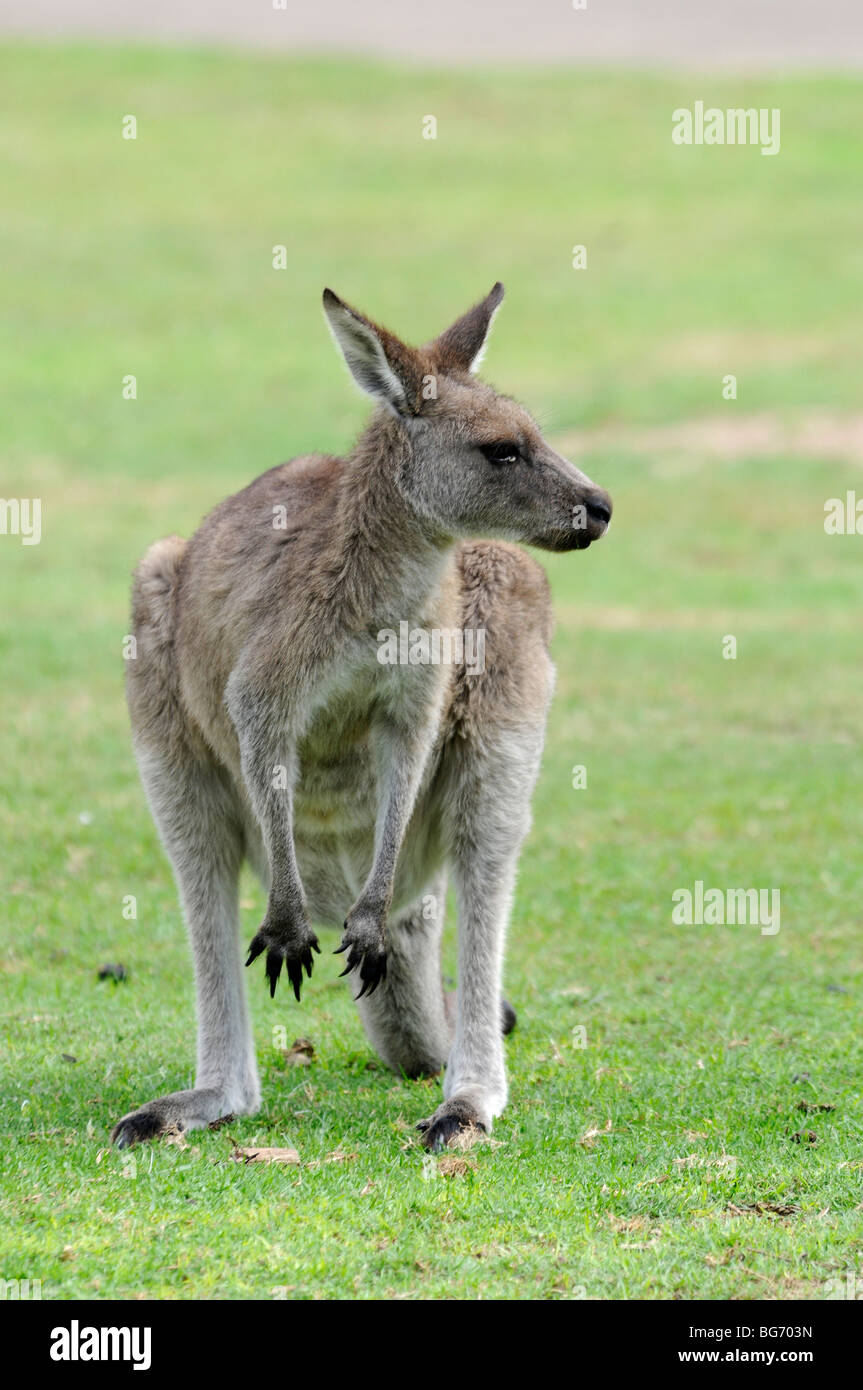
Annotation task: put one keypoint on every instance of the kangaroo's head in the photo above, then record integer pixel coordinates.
(476, 463)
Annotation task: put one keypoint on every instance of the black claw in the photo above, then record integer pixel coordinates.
(256, 948)
(346, 971)
(295, 976)
(338, 951)
(295, 955)
(274, 969)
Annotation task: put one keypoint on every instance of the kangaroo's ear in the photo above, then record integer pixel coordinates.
(379, 363)
(462, 346)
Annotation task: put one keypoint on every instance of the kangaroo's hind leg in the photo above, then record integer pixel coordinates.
(410, 1019)
(195, 806)
(406, 1018)
(488, 774)
(202, 835)
(491, 812)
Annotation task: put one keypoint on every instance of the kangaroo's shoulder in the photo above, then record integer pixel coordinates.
(502, 585)
(300, 486)
(274, 519)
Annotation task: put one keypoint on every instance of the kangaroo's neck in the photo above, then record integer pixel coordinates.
(393, 564)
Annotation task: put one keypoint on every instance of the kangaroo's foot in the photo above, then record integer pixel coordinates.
(455, 1118)
(365, 942)
(286, 941)
(181, 1110)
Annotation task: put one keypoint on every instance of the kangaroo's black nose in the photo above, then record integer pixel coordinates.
(599, 510)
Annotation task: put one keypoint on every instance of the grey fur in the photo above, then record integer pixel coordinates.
(266, 727)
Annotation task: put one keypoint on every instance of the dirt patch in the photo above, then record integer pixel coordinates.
(676, 33)
(816, 434)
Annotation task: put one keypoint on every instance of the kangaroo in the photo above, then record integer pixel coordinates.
(268, 726)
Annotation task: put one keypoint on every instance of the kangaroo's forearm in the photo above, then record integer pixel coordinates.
(268, 735)
(403, 756)
(286, 933)
(270, 778)
(402, 760)
(269, 767)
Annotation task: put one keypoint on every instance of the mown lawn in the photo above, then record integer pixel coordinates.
(643, 1163)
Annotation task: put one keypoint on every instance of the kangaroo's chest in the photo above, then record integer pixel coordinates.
(340, 752)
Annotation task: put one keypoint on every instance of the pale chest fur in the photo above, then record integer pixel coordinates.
(340, 751)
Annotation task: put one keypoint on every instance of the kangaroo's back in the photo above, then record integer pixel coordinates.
(152, 677)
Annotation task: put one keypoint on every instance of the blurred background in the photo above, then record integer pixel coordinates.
(754, 34)
(162, 343)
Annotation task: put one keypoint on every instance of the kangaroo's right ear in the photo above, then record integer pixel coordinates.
(379, 363)
(463, 344)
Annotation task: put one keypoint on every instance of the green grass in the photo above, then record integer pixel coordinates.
(154, 258)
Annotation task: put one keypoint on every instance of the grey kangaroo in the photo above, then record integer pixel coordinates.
(266, 725)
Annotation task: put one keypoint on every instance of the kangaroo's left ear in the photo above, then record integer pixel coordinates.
(380, 363)
(462, 346)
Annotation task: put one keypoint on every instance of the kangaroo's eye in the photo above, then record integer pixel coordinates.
(505, 452)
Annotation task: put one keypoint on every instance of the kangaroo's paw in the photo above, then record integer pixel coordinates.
(456, 1120)
(365, 942)
(181, 1110)
(290, 944)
